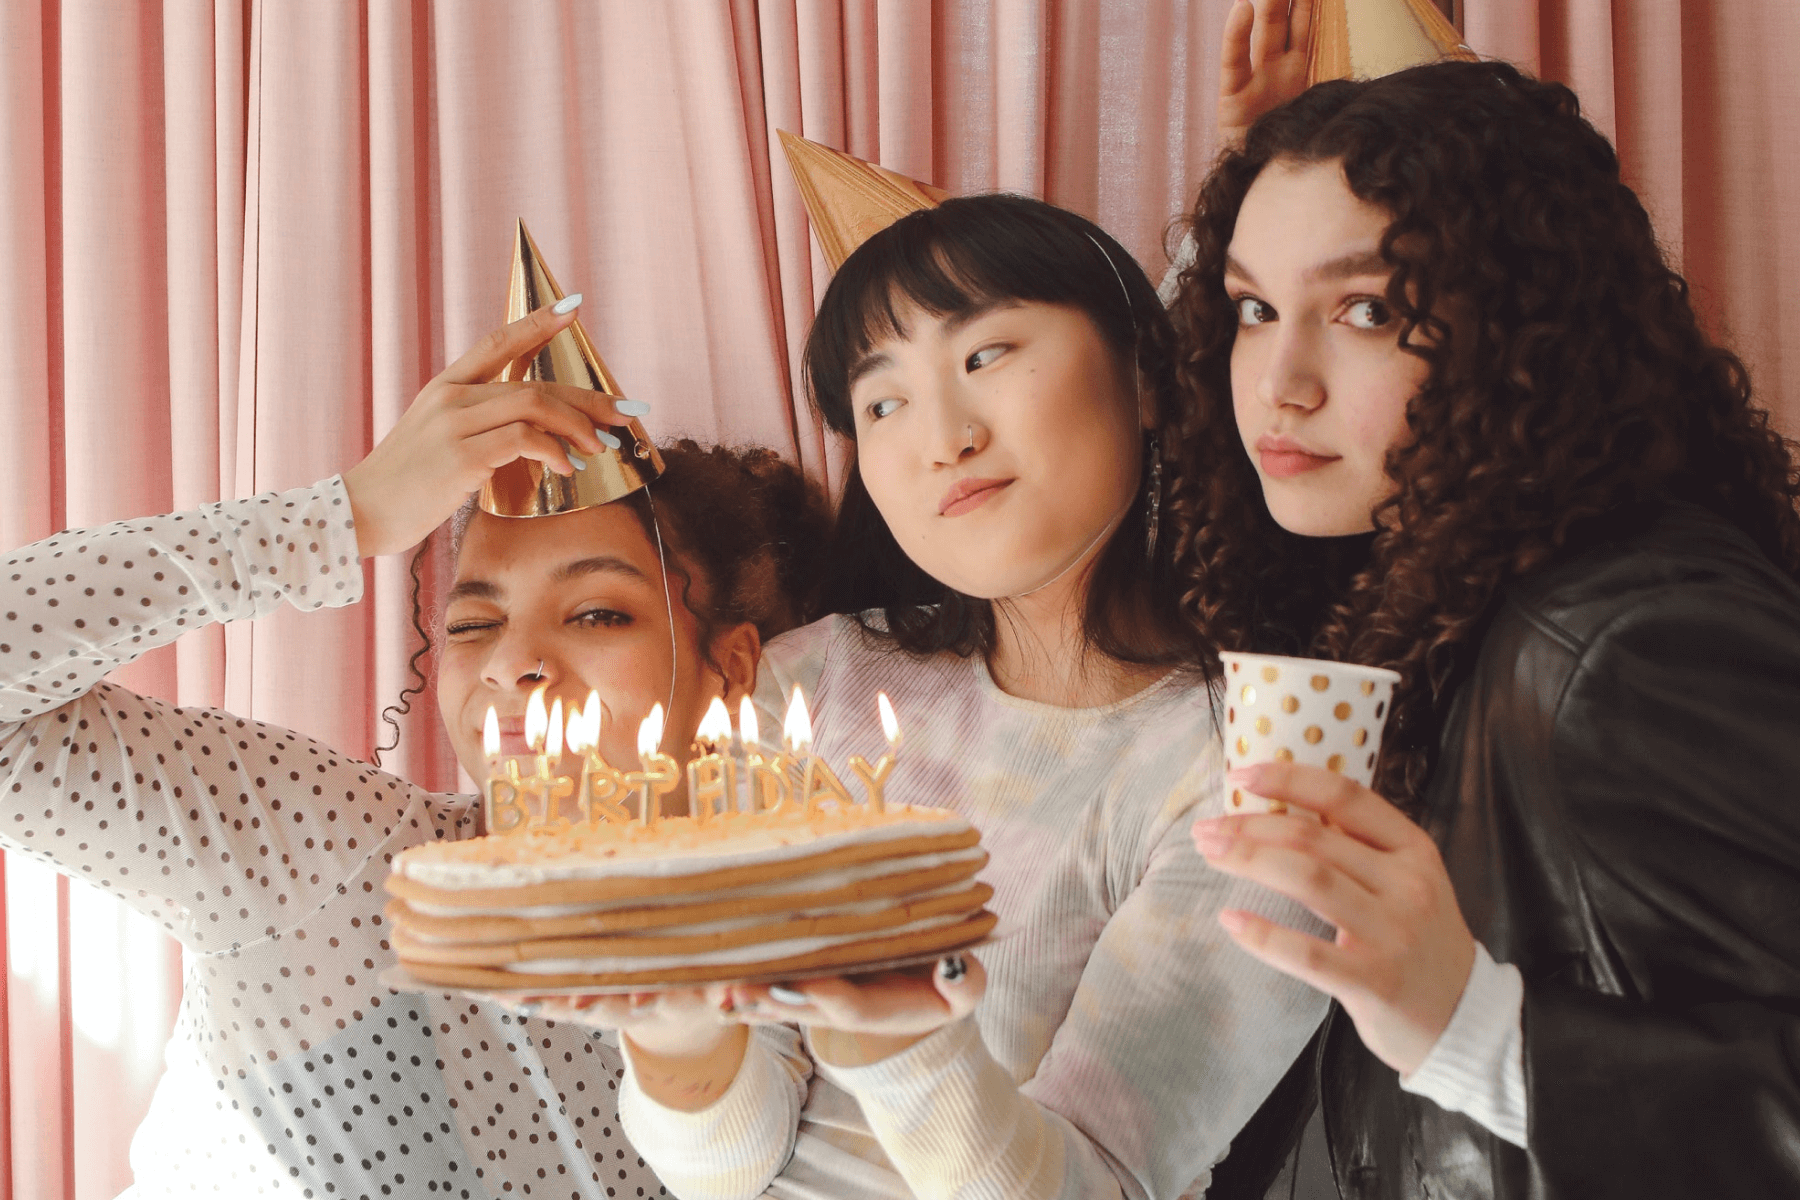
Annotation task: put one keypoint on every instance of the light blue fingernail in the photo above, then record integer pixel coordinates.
(576, 462)
(787, 995)
(607, 438)
(631, 408)
(567, 304)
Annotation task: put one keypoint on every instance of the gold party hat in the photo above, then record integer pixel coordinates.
(525, 487)
(1366, 39)
(848, 199)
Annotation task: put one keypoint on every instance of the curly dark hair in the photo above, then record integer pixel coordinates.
(750, 524)
(950, 260)
(1573, 384)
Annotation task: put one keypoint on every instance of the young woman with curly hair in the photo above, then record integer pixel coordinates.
(293, 1070)
(1456, 417)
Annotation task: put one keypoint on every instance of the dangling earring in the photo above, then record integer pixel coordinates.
(1153, 502)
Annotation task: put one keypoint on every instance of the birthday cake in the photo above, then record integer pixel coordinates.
(683, 901)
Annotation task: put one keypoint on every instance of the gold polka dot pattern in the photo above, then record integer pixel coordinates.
(1322, 713)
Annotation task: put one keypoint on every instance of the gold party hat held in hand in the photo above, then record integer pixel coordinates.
(849, 200)
(1366, 39)
(525, 487)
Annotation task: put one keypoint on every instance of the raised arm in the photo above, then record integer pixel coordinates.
(1262, 61)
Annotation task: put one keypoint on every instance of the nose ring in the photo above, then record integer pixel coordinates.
(971, 444)
(539, 673)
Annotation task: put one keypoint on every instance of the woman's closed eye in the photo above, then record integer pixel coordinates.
(470, 626)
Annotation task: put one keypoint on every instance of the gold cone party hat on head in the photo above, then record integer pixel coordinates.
(1365, 39)
(525, 487)
(850, 200)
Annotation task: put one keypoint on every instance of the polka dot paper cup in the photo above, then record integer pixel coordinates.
(1306, 710)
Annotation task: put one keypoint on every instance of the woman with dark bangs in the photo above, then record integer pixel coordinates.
(1002, 366)
(1455, 416)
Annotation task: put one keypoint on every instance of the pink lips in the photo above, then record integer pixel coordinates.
(1283, 458)
(966, 495)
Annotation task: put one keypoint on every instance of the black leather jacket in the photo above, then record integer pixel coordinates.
(1617, 800)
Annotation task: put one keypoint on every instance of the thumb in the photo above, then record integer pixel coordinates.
(961, 980)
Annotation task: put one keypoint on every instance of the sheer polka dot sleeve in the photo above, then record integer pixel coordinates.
(294, 1071)
(76, 605)
(224, 830)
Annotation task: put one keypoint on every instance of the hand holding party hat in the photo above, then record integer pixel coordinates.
(525, 487)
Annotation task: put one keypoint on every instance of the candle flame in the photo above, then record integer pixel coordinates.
(576, 737)
(890, 724)
(748, 729)
(650, 732)
(796, 731)
(715, 726)
(490, 734)
(536, 718)
(553, 742)
(590, 721)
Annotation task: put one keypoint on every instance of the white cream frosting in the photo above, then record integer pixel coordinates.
(729, 955)
(677, 847)
(816, 881)
(759, 920)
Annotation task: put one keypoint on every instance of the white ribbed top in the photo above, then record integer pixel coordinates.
(1123, 1039)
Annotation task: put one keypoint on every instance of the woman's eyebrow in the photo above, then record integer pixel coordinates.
(1353, 265)
(608, 563)
(474, 589)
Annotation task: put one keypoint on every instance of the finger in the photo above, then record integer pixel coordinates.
(489, 356)
(895, 1004)
(494, 449)
(1343, 802)
(1300, 24)
(598, 407)
(541, 406)
(1267, 32)
(1361, 862)
(961, 980)
(1313, 961)
(1234, 52)
(1327, 892)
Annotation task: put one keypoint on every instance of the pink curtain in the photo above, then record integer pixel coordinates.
(239, 234)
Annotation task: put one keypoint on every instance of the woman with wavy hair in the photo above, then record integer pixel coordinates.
(1455, 416)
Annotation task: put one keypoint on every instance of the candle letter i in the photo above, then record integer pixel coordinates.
(657, 775)
(875, 778)
(818, 782)
(712, 776)
(768, 778)
(505, 813)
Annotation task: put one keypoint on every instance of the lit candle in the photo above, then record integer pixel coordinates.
(505, 812)
(818, 782)
(657, 774)
(601, 788)
(551, 786)
(875, 778)
(711, 775)
(768, 777)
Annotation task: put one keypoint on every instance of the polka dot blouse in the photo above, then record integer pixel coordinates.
(292, 1070)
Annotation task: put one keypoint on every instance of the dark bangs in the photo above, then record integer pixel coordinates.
(964, 255)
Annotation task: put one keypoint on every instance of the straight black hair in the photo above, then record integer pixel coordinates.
(963, 255)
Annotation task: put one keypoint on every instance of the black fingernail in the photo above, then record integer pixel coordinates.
(953, 968)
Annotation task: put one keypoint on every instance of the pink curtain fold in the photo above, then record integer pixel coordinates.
(240, 234)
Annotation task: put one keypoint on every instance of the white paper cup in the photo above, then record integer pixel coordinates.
(1305, 710)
